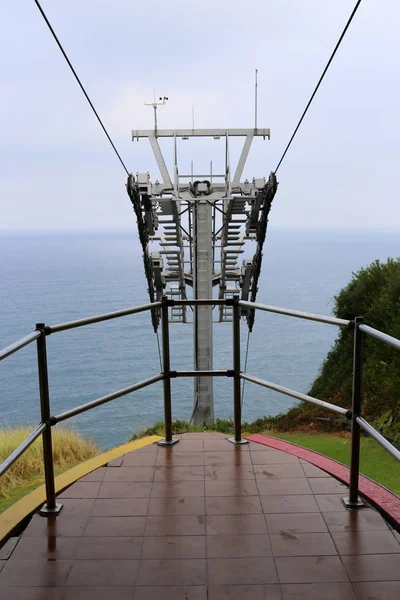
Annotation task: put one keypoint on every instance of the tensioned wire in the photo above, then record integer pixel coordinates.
(318, 84)
(80, 84)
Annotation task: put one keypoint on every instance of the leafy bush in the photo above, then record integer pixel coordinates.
(374, 294)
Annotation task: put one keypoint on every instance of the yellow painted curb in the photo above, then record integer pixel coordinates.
(24, 507)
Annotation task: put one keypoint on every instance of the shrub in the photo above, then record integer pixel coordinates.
(374, 293)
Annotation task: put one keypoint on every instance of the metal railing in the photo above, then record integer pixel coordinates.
(48, 421)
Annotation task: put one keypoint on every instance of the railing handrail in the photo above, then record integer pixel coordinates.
(24, 445)
(19, 344)
(296, 313)
(44, 428)
(379, 335)
(99, 318)
(378, 437)
(104, 399)
(298, 395)
(8, 350)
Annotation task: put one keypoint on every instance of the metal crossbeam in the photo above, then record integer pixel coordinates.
(187, 133)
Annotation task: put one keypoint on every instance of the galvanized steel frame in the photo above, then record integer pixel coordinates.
(213, 255)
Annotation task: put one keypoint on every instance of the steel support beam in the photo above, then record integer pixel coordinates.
(203, 410)
(160, 160)
(237, 401)
(353, 500)
(243, 158)
(52, 507)
(168, 440)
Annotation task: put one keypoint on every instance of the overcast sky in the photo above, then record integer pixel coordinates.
(57, 170)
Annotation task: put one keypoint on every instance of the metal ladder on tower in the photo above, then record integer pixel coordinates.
(230, 254)
(177, 313)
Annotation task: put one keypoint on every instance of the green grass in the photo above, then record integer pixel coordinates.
(19, 492)
(17, 495)
(375, 462)
(26, 474)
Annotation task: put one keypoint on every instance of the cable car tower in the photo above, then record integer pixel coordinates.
(193, 229)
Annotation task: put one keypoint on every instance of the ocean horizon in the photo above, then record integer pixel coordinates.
(58, 276)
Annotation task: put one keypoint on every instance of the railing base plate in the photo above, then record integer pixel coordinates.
(241, 441)
(50, 512)
(358, 504)
(166, 443)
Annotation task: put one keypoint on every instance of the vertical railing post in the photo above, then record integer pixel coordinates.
(168, 440)
(353, 500)
(237, 400)
(51, 507)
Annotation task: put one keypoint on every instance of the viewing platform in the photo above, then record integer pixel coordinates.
(204, 520)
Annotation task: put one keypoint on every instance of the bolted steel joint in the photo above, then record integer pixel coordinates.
(167, 301)
(46, 329)
(168, 374)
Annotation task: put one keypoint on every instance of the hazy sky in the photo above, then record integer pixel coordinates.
(57, 170)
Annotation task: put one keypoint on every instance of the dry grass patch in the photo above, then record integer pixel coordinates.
(69, 449)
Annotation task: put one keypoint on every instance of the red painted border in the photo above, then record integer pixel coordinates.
(382, 498)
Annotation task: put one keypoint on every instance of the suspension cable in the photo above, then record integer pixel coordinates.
(159, 351)
(319, 83)
(245, 365)
(80, 84)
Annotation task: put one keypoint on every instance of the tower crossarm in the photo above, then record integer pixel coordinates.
(188, 133)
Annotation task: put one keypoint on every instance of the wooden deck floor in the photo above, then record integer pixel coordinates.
(204, 520)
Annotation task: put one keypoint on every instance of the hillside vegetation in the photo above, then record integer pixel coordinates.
(373, 293)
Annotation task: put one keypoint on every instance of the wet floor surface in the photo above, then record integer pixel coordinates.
(204, 520)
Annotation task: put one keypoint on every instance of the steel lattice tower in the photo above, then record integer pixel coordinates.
(193, 229)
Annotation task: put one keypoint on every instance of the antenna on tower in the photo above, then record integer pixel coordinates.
(155, 105)
(255, 99)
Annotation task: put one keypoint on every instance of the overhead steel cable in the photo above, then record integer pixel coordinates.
(80, 84)
(159, 352)
(245, 365)
(319, 83)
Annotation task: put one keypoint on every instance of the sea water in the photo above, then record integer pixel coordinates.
(54, 278)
